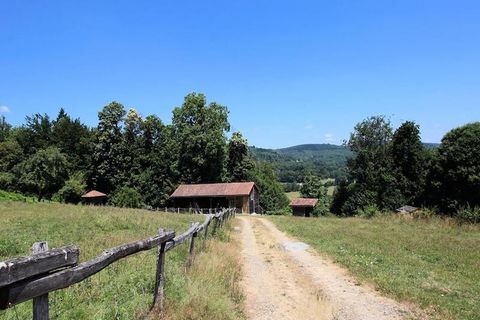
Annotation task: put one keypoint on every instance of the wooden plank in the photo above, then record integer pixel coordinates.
(182, 238)
(20, 292)
(21, 268)
(40, 304)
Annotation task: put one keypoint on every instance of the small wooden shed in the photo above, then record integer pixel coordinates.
(94, 197)
(240, 195)
(303, 207)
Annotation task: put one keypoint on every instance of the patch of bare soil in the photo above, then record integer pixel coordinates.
(285, 282)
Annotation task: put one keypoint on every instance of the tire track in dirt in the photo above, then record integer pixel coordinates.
(273, 287)
(299, 284)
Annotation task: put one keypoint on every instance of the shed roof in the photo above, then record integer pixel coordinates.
(304, 202)
(213, 190)
(94, 194)
(407, 209)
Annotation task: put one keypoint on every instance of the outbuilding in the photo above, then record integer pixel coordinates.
(407, 209)
(240, 195)
(303, 207)
(94, 197)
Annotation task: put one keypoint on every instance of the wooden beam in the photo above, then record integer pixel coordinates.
(21, 268)
(23, 291)
(182, 238)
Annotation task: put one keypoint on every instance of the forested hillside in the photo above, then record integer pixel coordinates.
(293, 164)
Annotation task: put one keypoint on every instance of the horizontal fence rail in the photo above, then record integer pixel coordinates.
(33, 277)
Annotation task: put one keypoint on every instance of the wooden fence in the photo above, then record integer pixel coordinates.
(33, 277)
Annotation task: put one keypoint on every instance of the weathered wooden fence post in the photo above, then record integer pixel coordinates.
(215, 224)
(190, 251)
(40, 304)
(205, 235)
(158, 297)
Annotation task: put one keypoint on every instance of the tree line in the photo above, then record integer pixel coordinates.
(138, 161)
(391, 168)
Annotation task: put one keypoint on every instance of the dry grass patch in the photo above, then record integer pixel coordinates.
(210, 289)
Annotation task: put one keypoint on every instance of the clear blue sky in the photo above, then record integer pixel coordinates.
(290, 72)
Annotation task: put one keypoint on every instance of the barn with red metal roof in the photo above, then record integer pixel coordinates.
(240, 195)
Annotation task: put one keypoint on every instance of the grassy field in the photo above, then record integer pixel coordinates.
(123, 290)
(435, 264)
(295, 194)
(292, 195)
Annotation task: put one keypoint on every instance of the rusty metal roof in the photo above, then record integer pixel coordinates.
(304, 202)
(213, 190)
(94, 194)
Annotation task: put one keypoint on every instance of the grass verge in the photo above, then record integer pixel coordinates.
(123, 290)
(435, 263)
(210, 289)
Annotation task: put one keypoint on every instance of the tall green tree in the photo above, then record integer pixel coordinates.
(74, 139)
(107, 167)
(11, 154)
(45, 172)
(158, 176)
(239, 163)
(312, 187)
(456, 170)
(36, 134)
(373, 181)
(271, 194)
(409, 161)
(5, 128)
(200, 134)
(132, 145)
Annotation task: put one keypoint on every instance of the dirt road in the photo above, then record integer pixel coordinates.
(283, 280)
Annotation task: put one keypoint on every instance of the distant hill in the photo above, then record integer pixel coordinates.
(311, 147)
(430, 146)
(293, 163)
(324, 160)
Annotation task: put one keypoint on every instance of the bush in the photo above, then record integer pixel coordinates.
(127, 197)
(469, 214)
(369, 211)
(322, 208)
(72, 191)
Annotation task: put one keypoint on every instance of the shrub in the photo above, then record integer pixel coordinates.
(127, 197)
(368, 211)
(321, 209)
(72, 191)
(468, 214)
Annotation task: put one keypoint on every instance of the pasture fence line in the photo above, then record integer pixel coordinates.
(34, 276)
(190, 210)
